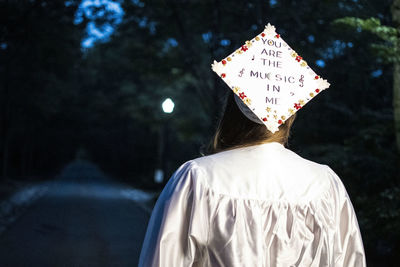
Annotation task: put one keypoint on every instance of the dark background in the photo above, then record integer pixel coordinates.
(89, 78)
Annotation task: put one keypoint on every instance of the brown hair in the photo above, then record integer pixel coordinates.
(236, 130)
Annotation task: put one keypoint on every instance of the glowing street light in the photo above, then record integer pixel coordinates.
(168, 105)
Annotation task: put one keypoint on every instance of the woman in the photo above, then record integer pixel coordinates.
(252, 202)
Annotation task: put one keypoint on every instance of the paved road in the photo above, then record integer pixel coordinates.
(84, 220)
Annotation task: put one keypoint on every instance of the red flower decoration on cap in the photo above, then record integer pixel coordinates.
(299, 58)
(280, 121)
(223, 62)
(244, 48)
(242, 95)
(264, 119)
(263, 34)
(297, 106)
(278, 35)
(316, 77)
(317, 90)
(223, 75)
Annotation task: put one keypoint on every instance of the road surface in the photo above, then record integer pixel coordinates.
(84, 219)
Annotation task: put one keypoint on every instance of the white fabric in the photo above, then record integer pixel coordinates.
(257, 206)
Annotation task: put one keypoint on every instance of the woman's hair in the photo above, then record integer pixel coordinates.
(236, 130)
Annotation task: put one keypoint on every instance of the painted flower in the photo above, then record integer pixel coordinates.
(301, 102)
(280, 121)
(244, 48)
(277, 36)
(248, 43)
(303, 64)
(264, 119)
(223, 75)
(283, 117)
(297, 106)
(298, 58)
(223, 62)
(316, 77)
(312, 94)
(317, 90)
(229, 59)
(294, 54)
(236, 89)
(268, 109)
(257, 38)
(291, 111)
(247, 101)
(242, 95)
(263, 34)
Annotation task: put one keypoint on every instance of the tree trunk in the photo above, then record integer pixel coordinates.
(396, 75)
(396, 102)
(5, 121)
(217, 92)
(25, 144)
(5, 155)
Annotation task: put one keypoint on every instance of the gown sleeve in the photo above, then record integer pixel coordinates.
(178, 226)
(348, 244)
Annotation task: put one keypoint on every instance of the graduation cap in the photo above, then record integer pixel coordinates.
(270, 80)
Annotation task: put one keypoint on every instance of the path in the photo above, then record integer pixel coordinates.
(83, 220)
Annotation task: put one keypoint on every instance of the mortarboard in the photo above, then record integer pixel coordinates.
(270, 80)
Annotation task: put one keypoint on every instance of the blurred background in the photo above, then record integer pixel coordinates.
(101, 100)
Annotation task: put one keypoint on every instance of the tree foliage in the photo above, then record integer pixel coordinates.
(389, 50)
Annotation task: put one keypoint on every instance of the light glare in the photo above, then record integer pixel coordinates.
(168, 105)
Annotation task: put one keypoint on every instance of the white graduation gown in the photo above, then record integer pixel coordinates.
(256, 206)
